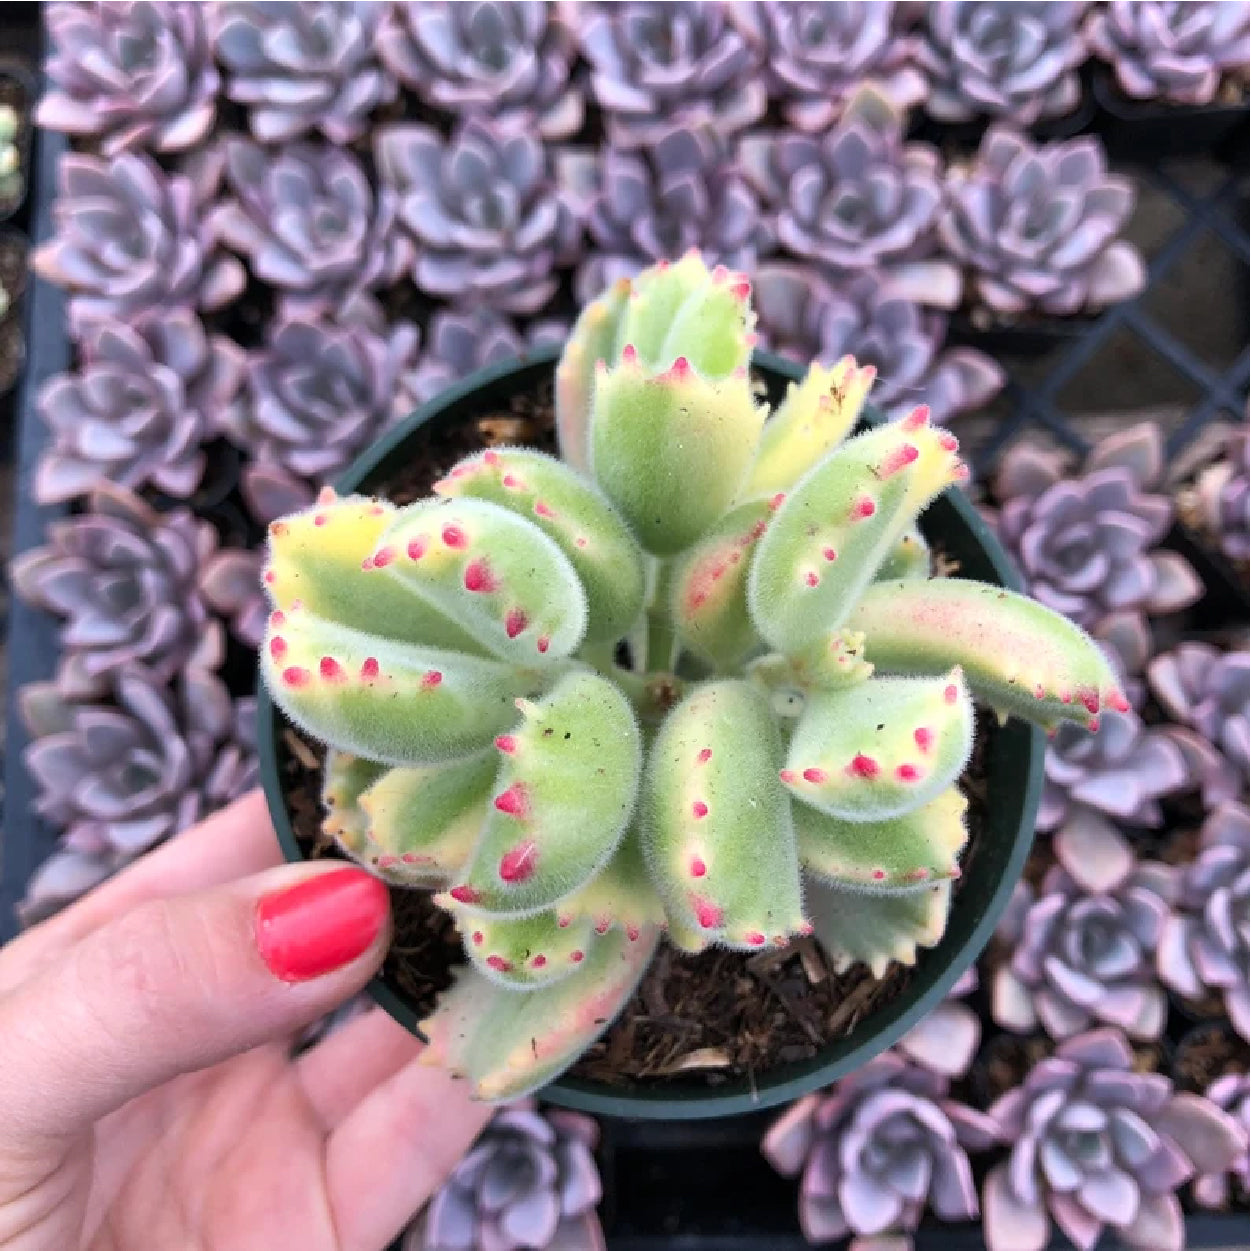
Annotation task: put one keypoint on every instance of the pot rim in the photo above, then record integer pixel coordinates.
(935, 975)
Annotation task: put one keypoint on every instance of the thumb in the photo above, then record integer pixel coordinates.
(179, 984)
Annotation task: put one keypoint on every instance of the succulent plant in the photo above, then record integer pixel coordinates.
(857, 198)
(123, 579)
(12, 182)
(1204, 947)
(317, 394)
(878, 1148)
(1012, 61)
(1219, 499)
(1167, 51)
(462, 341)
(487, 223)
(230, 584)
(865, 316)
(130, 238)
(459, 656)
(816, 55)
(137, 75)
(309, 224)
(1087, 545)
(1082, 951)
(683, 191)
(143, 401)
(303, 66)
(1035, 226)
(529, 1184)
(1205, 690)
(656, 65)
(1230, 1092)
(511, 61)
(946, 1039)
(1096, 1144)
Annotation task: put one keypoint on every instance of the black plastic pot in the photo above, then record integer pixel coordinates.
(1015, 761)
(1148, 131)
(1034, 337)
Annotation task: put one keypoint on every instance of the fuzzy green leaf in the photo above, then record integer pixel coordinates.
(909, 558)
(621, 895)
(525, 952)
(344, 779)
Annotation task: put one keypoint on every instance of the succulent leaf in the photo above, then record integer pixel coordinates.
(491, 571)
(1018, 655)
(909, 558)
(564, 794)
(881, 748)
(393, 702)
(836, 660)
(840, 523)
(522, 953)
(814, 418)
(903, 853)
(716, 824)
(861, 927)
(622, 894)
(345, 779)
(575, 516)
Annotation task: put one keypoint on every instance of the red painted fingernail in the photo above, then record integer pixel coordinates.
(321, 924)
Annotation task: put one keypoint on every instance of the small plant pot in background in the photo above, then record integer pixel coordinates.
(1014, 757)
(17, 92)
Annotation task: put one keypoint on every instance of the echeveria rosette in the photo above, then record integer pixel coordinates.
(1230, 1092)
(122, 578)
(1205, 691)
(529, 1182)
(857, 197)
(1087, 545)
(1035, 227)
(509, 60)
(1017, 62)
(302, 66)
(138, 410)
(878, 1149)
(1096, 1144)
(1220, 495)
(230, 584)
(309, 224)
(1161, 50)
(1204, 948)
(130, 239)
(487, 223)
(866, 316)
(317, 394)
(1081, 952)
(458, 654)
(683, 191)
(657, 65)
(136, 75)
(816, 55)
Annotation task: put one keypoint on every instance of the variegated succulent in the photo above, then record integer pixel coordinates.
(747, 776)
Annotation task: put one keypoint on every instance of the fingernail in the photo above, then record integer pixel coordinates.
(321, 924)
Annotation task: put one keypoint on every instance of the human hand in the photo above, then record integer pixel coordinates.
(148, 1098)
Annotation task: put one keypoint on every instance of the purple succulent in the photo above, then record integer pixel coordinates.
(488, 225)
(1035, 226)
(657, 65)
(1205, 691)
(1220, 496)
(865, 316)
(529, 1184)
(509, 60)
(682, 192)
(303, 66)
(1162, 50)
(462, 342)
(317, 394)
(137, 75)
(1013, 61)
(1095, 1143)
(1087, 545)
(1232, 1094)
(230, 584)
(144, 399)
(1204, 948)
(130, 238)
(876, 1149)
(122, 577)
(309, 224)
(235, 770)
(816, 55)
(946, 1040)
(1123, 769)
(1082, 950)
(857, 197)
